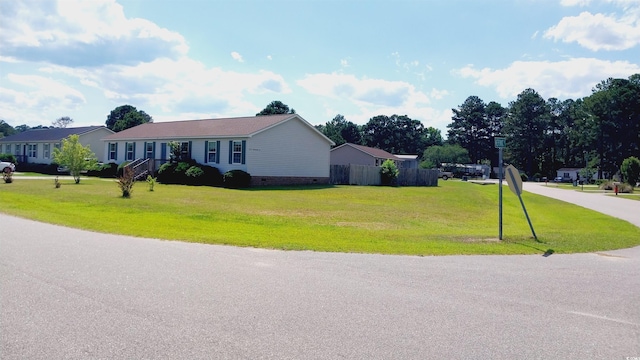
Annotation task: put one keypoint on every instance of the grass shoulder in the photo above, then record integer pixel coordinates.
(454, 218)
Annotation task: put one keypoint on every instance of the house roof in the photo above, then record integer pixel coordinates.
(407, 157)
(54, 134)
(224, 127)
(377, 153)
(570, 169)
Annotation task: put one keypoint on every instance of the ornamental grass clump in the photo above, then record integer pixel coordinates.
(126, 181)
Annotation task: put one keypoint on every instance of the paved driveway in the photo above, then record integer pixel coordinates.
(72, 294)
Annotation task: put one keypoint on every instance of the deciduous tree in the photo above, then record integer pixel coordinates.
(62, 122)
(74, 156)
(125, 117)
(276, 107)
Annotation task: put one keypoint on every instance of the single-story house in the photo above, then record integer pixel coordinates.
(409, 161)
(36, 145)
(573, 173)
(273, 149)
(347, 154)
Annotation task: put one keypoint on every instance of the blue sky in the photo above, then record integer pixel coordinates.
(195, 59)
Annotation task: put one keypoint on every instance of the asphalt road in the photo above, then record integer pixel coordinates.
(72, 294)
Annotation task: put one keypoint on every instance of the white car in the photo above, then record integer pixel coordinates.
(7, 167)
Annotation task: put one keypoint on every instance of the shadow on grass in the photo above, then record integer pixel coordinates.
(545, 252)
(289, 187)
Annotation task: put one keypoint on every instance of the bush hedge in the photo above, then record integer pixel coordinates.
(237, 179)
(189, 173)
(8, 158)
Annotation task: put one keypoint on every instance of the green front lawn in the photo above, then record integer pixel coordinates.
(453, 218)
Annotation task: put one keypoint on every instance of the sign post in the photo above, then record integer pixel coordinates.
(500, 143)
(515, 185)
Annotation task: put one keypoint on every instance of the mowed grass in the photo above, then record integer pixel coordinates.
(454, 218)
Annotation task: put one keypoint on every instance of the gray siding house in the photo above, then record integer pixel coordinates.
(36, 146)
(274, 149)
(347, 154)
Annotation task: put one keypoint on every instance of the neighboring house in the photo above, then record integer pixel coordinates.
(347, 154)
(409, 161)
(36, 146)
(274, 149)
(573, 173)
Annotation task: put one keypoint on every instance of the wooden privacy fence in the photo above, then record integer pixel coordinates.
(370, 175)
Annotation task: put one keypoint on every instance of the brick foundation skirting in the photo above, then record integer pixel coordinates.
(287, 180)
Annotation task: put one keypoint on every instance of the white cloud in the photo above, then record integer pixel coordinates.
(43, 93)
(573, 78)
(597, 31)
(365, 98)
(180, 86)
(77, 32)
(344, 63)
(237, 57)
(575, 2)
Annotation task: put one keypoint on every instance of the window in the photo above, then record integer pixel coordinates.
(130, 151)
(16, 150)
(32, 150)
(46, 150)
(237, 152)
(149, 150)
(113, 150)
(212, 151)
(184, 150)
(7, 148)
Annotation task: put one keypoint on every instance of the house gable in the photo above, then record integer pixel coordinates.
(348, 153)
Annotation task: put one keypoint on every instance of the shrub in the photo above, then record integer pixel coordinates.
(524, 177)
(630, 170)
(109, 170)
(49, 169)
(236, 179)
(119, 172)
(8, 158)
(166, 173)
(212, 176)
(389, 173)
(151, 181)
(622, 187)
(194, 175)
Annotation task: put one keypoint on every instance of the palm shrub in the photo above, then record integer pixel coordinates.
(389, 173)
(126, 181)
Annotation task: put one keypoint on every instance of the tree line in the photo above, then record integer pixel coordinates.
(596, 132)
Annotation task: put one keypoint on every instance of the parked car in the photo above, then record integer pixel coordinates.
(560, 179)
(445, 174)
(7, 167)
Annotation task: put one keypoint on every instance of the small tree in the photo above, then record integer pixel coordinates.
(389, 172)
(630, 170)
(74, 156)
